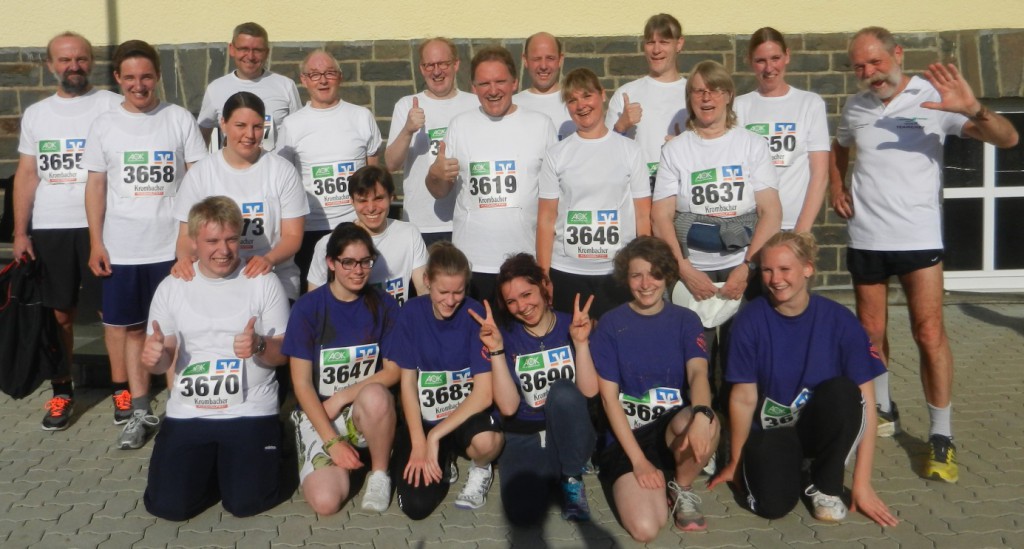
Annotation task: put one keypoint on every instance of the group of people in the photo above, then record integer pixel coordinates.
(518, 314)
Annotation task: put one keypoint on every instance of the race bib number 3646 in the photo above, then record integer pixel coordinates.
(442, 392)
(212, 384)
(592, 234)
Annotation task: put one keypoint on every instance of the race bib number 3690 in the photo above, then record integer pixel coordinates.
(344, 366)
(494, 184)
(653, 404)
(442, 392)
(212, 384)
(538, 371)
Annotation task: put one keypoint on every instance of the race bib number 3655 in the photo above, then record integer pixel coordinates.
(60, 161)
(494, 184)
(344, 366)
(442, 392)
(212, 384)
(653, 404)
(538, 371)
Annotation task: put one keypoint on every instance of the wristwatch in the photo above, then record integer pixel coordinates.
(261, 345)
(706, 410)
(751, 265)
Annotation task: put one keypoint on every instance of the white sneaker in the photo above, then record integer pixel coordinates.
(137, 430)
(826, 508)
(453, 472)
(474, 494)
(377, 495)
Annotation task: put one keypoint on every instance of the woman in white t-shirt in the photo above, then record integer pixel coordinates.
(794, 124)
(595, 197)
(266, 188)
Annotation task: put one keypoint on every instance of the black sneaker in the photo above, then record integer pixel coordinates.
(122, 407)
(58, 413)
(888, 422)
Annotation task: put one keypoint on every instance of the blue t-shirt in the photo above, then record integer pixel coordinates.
(785, 355)
(646, 352)
(553, 358)
(337, 336)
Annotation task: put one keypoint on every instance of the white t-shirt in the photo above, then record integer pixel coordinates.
(143, 156)
(205, 314)
(794, 125)
(267, 192)
(550, 104)
(496, 190)
(715, 177)
(664, 108)
(279, 95)
(897, 176)
(420, 208)
(401, 250)
(327, 146)
(54, 131)
(595, 182)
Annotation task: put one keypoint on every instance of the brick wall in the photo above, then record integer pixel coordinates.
(376, 74)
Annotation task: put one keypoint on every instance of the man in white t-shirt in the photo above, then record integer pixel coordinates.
(327, 140)
(542, 60)
(490, 159)
(249, 48)
(418, 125)
(898, 125)
(49, 191)
(653, 107)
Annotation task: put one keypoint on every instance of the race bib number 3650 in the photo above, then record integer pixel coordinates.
(494, 184)
(781, 137)
(653, 404)
(442, 392)
(344, 366)
(538, 371)
(212, 384)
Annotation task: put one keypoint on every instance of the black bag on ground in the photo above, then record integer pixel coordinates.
(30, 347)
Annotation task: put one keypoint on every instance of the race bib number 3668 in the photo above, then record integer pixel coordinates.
(442, 392)
(212, 384)
(650, 406)
(538, 371)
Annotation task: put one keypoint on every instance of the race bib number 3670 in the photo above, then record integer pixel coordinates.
(494, 184)
(212, 384)
(442, 392)
(653, 404)
(538, 371)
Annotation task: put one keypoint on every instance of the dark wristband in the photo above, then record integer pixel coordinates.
(706, 410)
(499, 352)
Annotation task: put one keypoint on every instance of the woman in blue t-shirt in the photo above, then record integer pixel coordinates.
(445, 391)
(802, 369)
(336, 337)
(543, 375)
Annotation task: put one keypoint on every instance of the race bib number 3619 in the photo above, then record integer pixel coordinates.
(494, 184)
(442, 392)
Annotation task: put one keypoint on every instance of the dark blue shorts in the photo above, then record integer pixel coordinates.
(128, 292)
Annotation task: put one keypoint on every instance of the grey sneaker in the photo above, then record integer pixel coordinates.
(474, 494)
(377, 495)
(453, 472)
(686, 509)
(137, 430)
(826, 508)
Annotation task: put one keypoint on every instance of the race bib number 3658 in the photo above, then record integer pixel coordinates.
(148, 173)
(212, 384)
(650, 406)
(442, 392)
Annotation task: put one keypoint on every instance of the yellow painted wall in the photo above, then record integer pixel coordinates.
(31, 23)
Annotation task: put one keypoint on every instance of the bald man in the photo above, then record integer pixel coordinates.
(542, 59)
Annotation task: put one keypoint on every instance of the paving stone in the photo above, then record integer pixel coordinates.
(960, 541)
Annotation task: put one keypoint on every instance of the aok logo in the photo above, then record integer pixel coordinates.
(479, 168)
(607, 217)
(74, 145)
(52, 146)
(252, 209)
(439, 379)
(335, 356)
(505, 167)
(703, 176)
(579, 217)
(784, 128)
(197, 368)
(437, 134)
(322, 171)
(759, 129)
(652, 168)
(530, 363)
(163, 157)
(136, 157)
(666, 396)
(732, 173)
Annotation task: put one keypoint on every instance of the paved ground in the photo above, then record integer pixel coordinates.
(73, 489)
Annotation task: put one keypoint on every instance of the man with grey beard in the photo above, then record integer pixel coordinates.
(898, 124)
(49, 191)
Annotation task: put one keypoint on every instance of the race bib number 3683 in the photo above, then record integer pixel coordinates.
(650, 406)
(341, 367)
(442, 392)
(212, 384)
(538, 371)
(494, 184)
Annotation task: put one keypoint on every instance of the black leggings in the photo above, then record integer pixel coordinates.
(829, 429)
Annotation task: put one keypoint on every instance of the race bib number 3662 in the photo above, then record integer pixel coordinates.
(212, 384)
(538, 371)
(494, 184)
(345, 366)
(442, 392)
(650, 406)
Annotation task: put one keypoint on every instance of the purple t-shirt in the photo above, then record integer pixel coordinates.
(555, 348)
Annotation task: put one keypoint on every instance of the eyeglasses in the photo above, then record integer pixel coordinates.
(348, 263)
(443, 65)
(316, 76)
(699, 93)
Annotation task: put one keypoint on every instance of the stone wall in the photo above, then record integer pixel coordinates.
(376, 74)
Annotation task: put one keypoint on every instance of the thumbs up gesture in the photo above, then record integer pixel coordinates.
(444, 168)
(245, 342)
(153, 348)
(631, 114)
(416, 119)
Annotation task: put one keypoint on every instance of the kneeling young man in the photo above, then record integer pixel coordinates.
(221, 439)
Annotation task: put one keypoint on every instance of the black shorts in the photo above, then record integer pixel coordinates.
(483, 286)
(870, 266)
(614, 462)
(64, 255)
(607, 293)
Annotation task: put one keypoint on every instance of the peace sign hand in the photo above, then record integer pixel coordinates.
(490, 335)
(581, 325)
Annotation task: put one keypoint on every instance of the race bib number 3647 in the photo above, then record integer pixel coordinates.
(442, 392)
(345, 366)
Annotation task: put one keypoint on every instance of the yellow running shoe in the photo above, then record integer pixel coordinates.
(941, 459)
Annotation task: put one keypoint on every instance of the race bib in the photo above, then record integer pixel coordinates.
(643, 410)
(212, 384)
(59, 161)
(781, 137)
(344, 366)
(329, 182)
(720, 192)
(442, 392)
(253, 231)
(494, 184)
(591, 234)
(775, 415)
(652, 172)
(269, 132)
(538, 371)
(395, 287)
(436, 136)
(148, 173)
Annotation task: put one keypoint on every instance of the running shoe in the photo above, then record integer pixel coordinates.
(826, 508)
(686, 509)
(941, 459)
(888, 422)
(58, 413)
(122, 407)
(377, 496)
(453, 472)
(137, 430)
(574, 498)
(474, 494)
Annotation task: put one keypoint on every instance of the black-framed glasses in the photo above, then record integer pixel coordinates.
(316, 76)
(348, 263)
